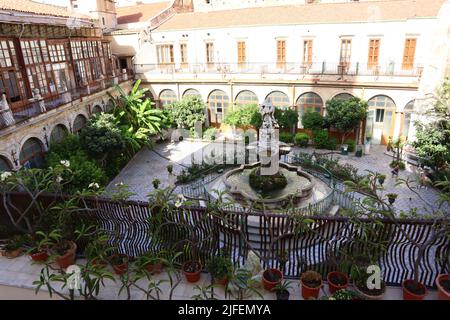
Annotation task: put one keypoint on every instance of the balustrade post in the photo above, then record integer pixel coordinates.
(40, 101)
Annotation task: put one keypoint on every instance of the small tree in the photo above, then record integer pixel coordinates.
(187, 112)
(243, 117)
(287, 118)
(345, 115)
(312, 121)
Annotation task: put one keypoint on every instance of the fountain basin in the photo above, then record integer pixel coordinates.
(299, 187)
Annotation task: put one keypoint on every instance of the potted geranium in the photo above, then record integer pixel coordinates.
(443, 285)
(220, 269)
(271, 278)
(282, 290)
(311, 282)
(337, 281)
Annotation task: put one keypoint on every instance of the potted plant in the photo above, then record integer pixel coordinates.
(13, 247)
(381, 179)
(413, 290)
(271, 278)
(169, 168)
(344, 294)
(97, 251)
(151, 262)
(311, 282)
(220, 269)
(156, 183)
(337, 281)
(192, 270)
(42, 241)
(282, 290)
(119, 263)
(360, 277)
(367, 144)
(392, 197)
(443, 285)
(65, 251)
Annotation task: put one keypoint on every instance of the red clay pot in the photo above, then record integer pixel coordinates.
(119, 269)
(222, 282)
(99, 262)
(154, 268)
(308, 292)
(407, 295)
(442, 294)
(269, 285)
(68, 258)
(192, 277)
(39, 256)
(335, 287)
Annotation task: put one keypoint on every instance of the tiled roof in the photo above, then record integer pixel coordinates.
(139, 12)
(387, 10)
(28, 6)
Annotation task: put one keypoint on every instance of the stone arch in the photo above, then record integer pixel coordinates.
(79, 122)
(32, 153)
(279, 99)
(58, 133)
(167, 97)
(218, 104)
(380, 119)
(5, 164)
(246, 97)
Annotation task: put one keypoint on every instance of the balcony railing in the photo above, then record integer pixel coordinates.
(314, 69)
(36, 106)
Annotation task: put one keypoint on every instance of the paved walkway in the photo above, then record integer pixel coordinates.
(148, 165)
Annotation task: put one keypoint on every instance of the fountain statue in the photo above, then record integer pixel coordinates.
(269, 180)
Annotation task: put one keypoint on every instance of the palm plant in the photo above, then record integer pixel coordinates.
(137, 119)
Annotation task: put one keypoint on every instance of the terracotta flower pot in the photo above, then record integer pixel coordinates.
(332, 287)
(120, 268)
(39, 256)
(368, 296)
(68, 258)
(268, 283)
(192, 277)
(11, 254)
(223, 281)
(99, 262)
(408, 295)
(155, 268)
(442, 293)
(308, 292)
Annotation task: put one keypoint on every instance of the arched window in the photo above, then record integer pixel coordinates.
(407, 114)
(191, 92)
(309, 101)
(218, 102)
(278, 99)
(109, 105)
(4, 164)
(167, 97)
(379, 122)
(79, 123)
(343, 96)
(246, 97)
(58, 134)
(32, 154)
(97, 109)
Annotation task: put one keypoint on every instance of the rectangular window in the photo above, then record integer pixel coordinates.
(209, 53)
(307, 52)
(408, 53)
(183, 54)
(379, 115)
(11, 82)
(374, 47)
(242, 55)
(165, 54)
(281, 53)
(346, 52)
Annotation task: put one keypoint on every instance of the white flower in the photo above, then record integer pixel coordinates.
(180, 200)
(65, 163)
(119, 184)
(59, 179)
(5, 175)
(93, 185)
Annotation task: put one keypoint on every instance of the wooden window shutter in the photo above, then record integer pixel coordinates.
(409, 53)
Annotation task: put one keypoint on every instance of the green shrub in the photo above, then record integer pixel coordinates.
(66, 147)
(187, 112)
(220, 267)
(323, 141)
(351, 145)
(193, 133)
(312, 121)
(401, 164)
(287, 118)
(286, 137)
(242, 117)
(301, 139)
(210, 134)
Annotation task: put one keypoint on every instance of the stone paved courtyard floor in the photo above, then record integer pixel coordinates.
(148, 165)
